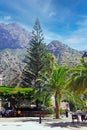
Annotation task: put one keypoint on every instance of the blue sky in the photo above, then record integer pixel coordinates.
(63, 20)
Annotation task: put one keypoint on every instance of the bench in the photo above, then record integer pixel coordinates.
(75, 117)
(84, 117)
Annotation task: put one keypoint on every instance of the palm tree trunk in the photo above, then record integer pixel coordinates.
(57, 110)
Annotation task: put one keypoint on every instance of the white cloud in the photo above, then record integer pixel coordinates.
(78, 38)
(45, 6)
(7, 18)
(82, 23)
(51, 14)
(76, 42)
(50, 36)
(75, 39)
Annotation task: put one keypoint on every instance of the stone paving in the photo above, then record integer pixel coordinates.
(32, 123)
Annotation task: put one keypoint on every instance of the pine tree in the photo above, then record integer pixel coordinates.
(35, 56)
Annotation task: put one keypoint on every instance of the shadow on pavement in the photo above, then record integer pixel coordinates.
(53, 123)
(67, 124)
(26, 120)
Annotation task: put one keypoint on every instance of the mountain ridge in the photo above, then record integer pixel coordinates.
(13, 36)
(64, 53)
(13, 43)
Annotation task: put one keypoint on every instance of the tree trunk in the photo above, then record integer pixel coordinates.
(57, 107)
(37, 105)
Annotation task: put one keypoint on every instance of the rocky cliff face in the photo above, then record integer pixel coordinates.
(13, 36)
(13, 41)
(64, 53)
(11, 65)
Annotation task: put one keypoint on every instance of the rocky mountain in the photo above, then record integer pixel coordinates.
(64, 53)
(13, 36)
(13, 41)
(11, 65)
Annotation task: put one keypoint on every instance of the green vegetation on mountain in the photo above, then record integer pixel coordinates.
(14, 40)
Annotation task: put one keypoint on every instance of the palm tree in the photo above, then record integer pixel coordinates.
(57, 86)
(77, 83)
(78, 78)
(50, 63)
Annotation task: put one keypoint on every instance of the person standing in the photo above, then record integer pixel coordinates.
(18, 113)
(66, 112)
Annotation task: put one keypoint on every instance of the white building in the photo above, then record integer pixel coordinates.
(1, 80)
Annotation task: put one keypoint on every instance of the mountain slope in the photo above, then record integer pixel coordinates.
(11, 65)
(13, 36)
(14, 40)
(65, 54)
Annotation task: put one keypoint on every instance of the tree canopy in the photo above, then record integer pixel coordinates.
(35, 56)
